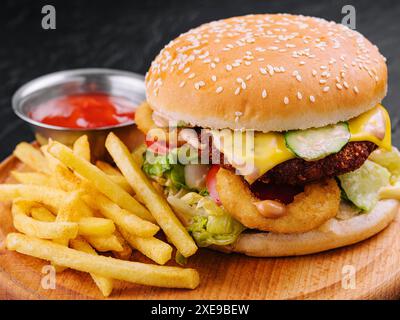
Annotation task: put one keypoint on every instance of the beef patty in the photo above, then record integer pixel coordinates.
(297, 171)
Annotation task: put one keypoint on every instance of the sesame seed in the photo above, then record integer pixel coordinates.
(314, 73)
(186, 70)
(228, 67)
(237, 91)
(214, 78)
(243, 85)
(356, 89)
(326, 89)
(182, 84)
(345, 84)
(286, 100)
(213, 65)
(312, 98)
(299, 95)
(191, 76)
(298, 78)
(264, 94)
(219, 89)
(302, 63)
(263, 71)
(249, 77)
(339, 86)
(322, 81)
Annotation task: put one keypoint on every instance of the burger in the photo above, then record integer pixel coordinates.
(266, 135)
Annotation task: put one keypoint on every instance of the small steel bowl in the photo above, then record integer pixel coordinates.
(63, 83)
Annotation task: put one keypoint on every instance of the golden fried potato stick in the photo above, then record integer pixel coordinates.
(153, 248)
(104, 284)
(42, 214)
(32, 157)
(126, 252)
(81, 147)
(121, 217)
(99, 179)
(121, 181)
(34, 178)
(94, 226)
(108, 168)
(156, 203)
(135, 272)
(390, 192)
(51, 161)
(52, 198)
(44, 230)
(107, 208)
(105, 243)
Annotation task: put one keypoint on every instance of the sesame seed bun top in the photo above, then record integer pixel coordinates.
(270, 72)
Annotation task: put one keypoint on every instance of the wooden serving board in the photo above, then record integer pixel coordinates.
(376, 263)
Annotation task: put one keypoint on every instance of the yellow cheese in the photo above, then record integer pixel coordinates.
(373, 126)
(254, 153)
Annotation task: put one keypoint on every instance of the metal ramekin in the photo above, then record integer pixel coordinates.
(114, 82)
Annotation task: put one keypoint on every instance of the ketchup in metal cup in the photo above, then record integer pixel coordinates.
(84, 111)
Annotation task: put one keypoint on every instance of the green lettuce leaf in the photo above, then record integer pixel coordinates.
(362, 185)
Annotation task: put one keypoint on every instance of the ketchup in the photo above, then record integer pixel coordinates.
(84, 111)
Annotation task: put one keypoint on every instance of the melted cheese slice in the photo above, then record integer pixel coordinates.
(252, 154)
(373, 126)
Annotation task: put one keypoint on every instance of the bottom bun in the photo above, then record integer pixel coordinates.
(333, 234)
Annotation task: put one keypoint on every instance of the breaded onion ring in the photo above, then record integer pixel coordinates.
(318, 203)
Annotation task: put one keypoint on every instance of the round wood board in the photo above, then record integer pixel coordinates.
(367, 270)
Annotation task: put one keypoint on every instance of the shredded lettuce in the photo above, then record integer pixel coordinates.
(208, 223)
(388, 159)
(165, 170)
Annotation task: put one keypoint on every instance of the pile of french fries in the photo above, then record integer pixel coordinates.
(68, 211)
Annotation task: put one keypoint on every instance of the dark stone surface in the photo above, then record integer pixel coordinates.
(128, 34)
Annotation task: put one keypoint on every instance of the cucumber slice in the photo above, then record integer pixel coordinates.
(362, 185)
(317, 143)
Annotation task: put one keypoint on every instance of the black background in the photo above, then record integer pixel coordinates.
(128, 35)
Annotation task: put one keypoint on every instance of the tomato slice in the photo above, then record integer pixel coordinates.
(158, 147)
(211, 183)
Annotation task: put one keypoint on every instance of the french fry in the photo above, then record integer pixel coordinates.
(93, 226)
(32, 157)
(153, 248)
(108, 168)
(39, 229)
(121, 181)
(51, 161)
(34, 178)
(99, 179)
(126, 252)
(52, 198)
(121, 217)
(67, 180)
(104, 284)
(135, 272)
(42, 214)
(157, 205)
(390, 192)
(81, 147)
(106, 243)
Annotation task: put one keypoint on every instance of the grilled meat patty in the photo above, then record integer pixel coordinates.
(299, 172)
